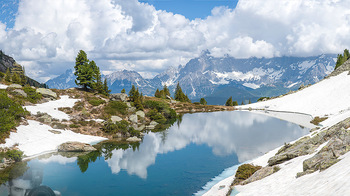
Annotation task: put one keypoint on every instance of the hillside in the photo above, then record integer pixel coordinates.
(316, 164)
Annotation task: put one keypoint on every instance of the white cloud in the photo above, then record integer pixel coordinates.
(135, 34)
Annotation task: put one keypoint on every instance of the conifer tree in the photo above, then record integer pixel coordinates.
(179, 95)
(242, 103)
(106, 91)
(157, 94)
(123, 90)
(132, 92)
(234, 103)
(250, 101)
(16, 79)
(97, 84)
(84, 70)
(229, 102)
(8, 75)
(166, 91)
(203, 101)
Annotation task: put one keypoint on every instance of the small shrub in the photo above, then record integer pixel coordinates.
(95, 111)
(245, 171)
(78, 106)
(74, 126)
(32, 95)
(116, 107)
(96, 101)
(83, 122)
(15, 155)
(317, 120)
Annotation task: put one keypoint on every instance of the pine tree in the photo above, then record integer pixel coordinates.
(132, 92)
(234, 103)
(16, 79)
(97, 82)
(157, 94)
(84, 70)
(203, 101)
(23, 77)
(106, 91)
(123, 90)
(8, 75)
(242, 103)
(250, 101)
(229, 102)
(166, 91)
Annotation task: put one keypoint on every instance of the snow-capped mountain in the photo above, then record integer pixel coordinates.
(63, 81)
(218, 78)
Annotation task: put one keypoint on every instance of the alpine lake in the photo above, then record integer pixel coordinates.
(178, 161)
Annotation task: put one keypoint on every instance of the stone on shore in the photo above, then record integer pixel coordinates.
(75, 147)
(133, 139)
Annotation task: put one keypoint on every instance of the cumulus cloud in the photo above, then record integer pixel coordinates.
(118, 33)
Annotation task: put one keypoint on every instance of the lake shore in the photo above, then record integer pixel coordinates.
(324, 99)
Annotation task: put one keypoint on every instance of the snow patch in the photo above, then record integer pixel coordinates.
(51, 107)
(251, 85)
(3, 86)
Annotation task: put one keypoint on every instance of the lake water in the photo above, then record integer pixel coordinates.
(178, 161)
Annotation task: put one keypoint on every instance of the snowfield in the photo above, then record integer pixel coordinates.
(35, 138)
(328, 98)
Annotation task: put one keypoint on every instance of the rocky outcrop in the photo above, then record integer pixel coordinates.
(304, 146)
(338, 145)
(46, 93)
(75, 147)
(5, 62)
(119, 97)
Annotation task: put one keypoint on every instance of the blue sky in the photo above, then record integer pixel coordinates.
(136, 35)
(191, 8)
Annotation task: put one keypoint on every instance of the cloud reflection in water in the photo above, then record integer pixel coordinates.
(246, 134)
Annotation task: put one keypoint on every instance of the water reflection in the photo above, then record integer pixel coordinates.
(246, 134)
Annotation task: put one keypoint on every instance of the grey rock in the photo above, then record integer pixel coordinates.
(128, 104)
(75, 147)
(55, 132)
(140, 114)
(152, 125)
(119, 97)
(133, 118)
(20, 92)
(140, 128)
(47, 93)
(116, 119)
(133, 139)
(15, 86)
(45, 118)
(260, 174)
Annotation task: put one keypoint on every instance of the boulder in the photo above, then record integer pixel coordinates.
(131, 109)
(260, 174)
(75, 147)
(15, 86)
(140, 114)
(20, 92)
(133, 118)
(119, 97)
(133, 139)
(128, 104)
(46, 93)
(45, 118)
(115, 119)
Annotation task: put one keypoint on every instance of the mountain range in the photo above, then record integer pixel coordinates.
(218, 78)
